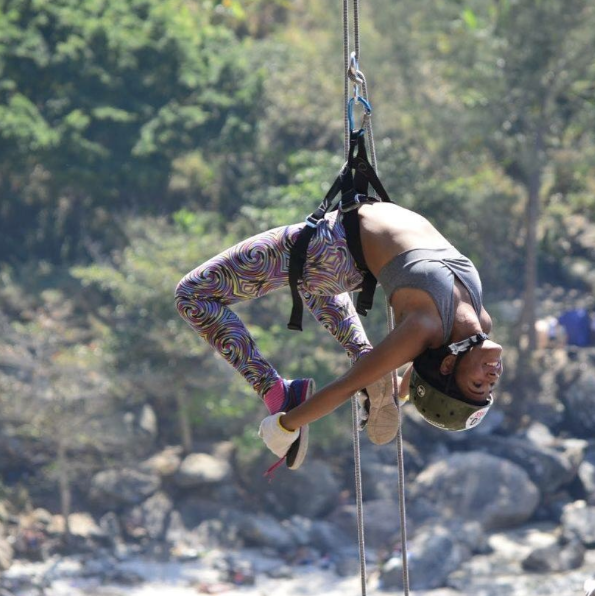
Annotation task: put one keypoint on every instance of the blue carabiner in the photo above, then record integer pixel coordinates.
(359, 99)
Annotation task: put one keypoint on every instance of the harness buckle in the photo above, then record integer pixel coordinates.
(312, 221)
(353, 203)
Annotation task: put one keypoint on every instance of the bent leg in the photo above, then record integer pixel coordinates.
(338, 316)
(248, 270)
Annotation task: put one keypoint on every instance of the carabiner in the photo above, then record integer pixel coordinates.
(366, 105)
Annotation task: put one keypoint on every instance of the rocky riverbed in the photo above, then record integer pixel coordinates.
(506, 510)
(252, 572)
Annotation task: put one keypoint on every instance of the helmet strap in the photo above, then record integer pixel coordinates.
(458, 349)
(465, 345)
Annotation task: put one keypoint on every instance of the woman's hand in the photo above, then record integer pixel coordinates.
(277, 438)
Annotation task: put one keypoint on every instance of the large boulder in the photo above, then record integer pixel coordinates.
(555, 558)
(112, 489)
(311, 491)
(381, 518)
(200, 469)
(478, 487)
(433, 554)
(263, 531)
(165, 463)
(578, 395)
(547, 468)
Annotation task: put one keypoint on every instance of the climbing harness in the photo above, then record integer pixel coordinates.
(353, 191)
(351, 187)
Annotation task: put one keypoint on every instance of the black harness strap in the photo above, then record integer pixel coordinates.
(353, 189)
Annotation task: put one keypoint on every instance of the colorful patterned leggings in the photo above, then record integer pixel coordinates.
(259, 265)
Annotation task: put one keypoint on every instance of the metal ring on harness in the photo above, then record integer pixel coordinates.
(354, 203)
(353, 72)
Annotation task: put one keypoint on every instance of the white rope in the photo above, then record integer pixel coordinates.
(367, 124)
(355, 429)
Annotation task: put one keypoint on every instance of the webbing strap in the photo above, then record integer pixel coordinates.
(353, 189)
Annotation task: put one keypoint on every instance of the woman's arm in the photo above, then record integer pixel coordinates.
(399, 347)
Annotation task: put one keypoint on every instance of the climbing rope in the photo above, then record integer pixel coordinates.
(354, 75)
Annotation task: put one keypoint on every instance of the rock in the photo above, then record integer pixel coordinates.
(41, 516)
(311, 491)
(176, 531)
(347, 562)
(578, 520)
(300, 529)
(555, 558)
(152, 516)
(194, 510)
(433, 554)
(111, 528)
(327, 537)
(111, 489)
(6, 554)
(198, 469)
(4, 514)
(381, 517)
(478, 487)
(577, 395)
(280, 572)
(379, 481)
(165, 463)
(81, 524)
(264, 531)
(216, 533)
(539, 434)
(586, 473)
(471, 535)
(548, 469)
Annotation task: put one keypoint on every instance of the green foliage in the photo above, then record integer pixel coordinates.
(140, 138)
(103, 97)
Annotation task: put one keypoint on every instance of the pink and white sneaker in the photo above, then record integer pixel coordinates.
(283, 397)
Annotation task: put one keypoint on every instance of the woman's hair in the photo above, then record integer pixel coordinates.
(427, 366)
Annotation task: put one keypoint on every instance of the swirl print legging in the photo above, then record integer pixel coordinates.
(259, 265)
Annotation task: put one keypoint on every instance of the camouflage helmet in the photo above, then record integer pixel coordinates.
(445, 408)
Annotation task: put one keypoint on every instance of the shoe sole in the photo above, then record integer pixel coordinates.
(383, 422)
(297, 452)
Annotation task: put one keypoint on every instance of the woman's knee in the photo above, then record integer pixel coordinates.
(186, 299)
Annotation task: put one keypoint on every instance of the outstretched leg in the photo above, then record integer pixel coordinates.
(248, 270)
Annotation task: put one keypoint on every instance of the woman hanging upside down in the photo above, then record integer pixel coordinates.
(440, 324)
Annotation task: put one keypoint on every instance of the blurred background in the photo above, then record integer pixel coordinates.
(140, 138)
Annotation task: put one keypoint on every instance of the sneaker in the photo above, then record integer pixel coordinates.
(383, 413)
(296, 393)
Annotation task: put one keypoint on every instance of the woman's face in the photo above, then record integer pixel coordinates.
(479, 370)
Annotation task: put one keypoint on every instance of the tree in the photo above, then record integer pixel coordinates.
(97, 101)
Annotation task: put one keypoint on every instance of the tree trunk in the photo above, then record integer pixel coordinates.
(536, 165)
(185, 427)
(65, 494)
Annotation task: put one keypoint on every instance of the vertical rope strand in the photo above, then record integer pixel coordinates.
(356, 29)
(359, 497)
(346, 79)
(355, 429)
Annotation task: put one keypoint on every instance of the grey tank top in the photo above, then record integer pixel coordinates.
(433, 270)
